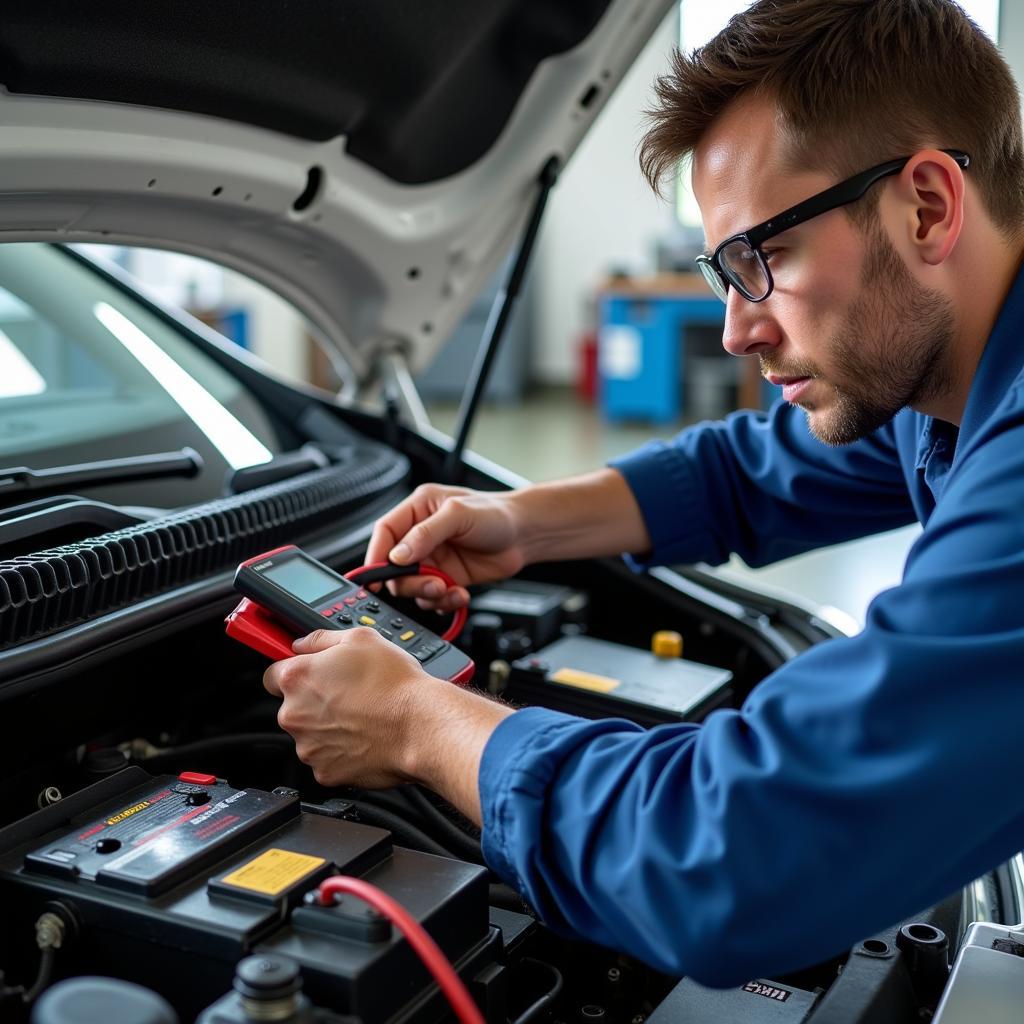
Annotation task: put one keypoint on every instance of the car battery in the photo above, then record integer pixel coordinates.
(598, 679)
(170, 881)
(538, 609)
(987, 980)
(757, 1002)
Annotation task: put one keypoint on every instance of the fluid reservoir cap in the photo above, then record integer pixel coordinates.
(667, 643)
(267, 977)
(88, 999)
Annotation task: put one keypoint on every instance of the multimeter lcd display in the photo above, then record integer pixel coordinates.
(305, 580)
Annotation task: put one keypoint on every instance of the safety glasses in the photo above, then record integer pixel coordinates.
(739, 262)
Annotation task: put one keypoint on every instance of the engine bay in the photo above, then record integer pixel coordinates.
(157, 830)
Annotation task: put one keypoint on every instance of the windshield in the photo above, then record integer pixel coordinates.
(88, 373)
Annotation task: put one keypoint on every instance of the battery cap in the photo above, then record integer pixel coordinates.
(198, 778)
(667, 643)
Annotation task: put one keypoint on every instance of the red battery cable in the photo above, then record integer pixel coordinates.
(423, 945)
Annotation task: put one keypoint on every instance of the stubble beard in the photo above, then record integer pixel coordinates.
(894, 351)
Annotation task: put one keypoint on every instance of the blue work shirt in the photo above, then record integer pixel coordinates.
(863, 781)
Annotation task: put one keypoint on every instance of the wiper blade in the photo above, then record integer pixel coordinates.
(186, 462)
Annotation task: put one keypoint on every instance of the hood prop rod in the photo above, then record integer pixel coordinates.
(501, 310)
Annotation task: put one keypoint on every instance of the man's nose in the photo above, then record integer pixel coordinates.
(749, 327)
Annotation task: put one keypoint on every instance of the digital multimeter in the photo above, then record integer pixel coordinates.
(289, 594)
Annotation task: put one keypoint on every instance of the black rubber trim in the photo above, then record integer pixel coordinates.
(49, 591)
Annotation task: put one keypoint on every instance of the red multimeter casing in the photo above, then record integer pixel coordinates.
(289, 593)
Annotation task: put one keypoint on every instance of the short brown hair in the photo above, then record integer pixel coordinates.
(856, 82)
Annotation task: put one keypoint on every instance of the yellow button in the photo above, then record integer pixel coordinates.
(408, 634)
(667, 643)
(365, 620)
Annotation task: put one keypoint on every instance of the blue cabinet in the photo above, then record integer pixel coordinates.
(641, 354)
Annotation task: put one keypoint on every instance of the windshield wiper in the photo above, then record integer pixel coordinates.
(19, 479)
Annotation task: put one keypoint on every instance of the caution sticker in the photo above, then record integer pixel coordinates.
(585, 680)
(273, 871)
(128, 812)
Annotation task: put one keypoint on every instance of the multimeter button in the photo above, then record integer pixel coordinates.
(365, 620)
(427, 649)
(350, 601)
(373, 606)
(407, 635)
(327, 612)
(198, 778)
(345, 617)
(339, 606)
(397, 623)
(386, 633)
(362, 594)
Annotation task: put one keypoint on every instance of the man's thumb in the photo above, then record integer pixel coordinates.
(318, 640)
(422, 540)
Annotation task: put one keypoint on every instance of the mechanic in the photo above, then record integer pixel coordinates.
(871, 776)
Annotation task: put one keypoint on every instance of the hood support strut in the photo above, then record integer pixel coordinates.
(501, 310)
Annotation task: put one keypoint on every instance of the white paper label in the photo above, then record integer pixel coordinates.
(619, 352)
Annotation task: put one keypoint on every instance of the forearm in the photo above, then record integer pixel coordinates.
(587, 516)
(445, 730)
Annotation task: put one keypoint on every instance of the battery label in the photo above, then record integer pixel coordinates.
(128, 812)
(273, 871)
(128, 823)
(585, 680)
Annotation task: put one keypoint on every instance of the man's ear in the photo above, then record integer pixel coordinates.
(932, 188)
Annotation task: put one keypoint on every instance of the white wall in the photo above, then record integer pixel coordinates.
(602, 215)
(1011, 36)
(277, 332)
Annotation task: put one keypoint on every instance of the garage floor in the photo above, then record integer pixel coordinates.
(551, 434)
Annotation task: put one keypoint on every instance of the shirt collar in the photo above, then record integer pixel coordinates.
(1000, 363)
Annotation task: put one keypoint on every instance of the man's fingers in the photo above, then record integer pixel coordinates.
(454, 598)
(428, 587)
(270, 681)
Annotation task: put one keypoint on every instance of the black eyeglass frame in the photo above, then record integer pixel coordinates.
(846, 192)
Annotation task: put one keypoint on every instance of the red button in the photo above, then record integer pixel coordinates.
(362, 594)
(350, 601)
(327, 612)
(197, 778)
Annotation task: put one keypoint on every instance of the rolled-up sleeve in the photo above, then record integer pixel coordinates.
(866, 779)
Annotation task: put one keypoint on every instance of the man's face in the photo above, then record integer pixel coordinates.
(848, 332)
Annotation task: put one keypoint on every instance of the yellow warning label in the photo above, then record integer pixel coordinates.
(128, 812)
(585, 680)
(274, 871)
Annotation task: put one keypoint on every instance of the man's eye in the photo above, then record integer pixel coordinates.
(770, 254)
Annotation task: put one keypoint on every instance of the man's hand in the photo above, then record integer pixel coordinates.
(363, 712)
(479, 536)
(474, 536)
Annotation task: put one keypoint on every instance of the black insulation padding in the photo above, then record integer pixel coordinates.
(420, 90)
(47, 591)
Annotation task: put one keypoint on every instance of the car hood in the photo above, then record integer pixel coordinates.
(372, 162)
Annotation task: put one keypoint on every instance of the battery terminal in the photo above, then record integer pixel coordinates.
(50, 931)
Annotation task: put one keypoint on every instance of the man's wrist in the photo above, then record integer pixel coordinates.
(444, 732)
(588, 516)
